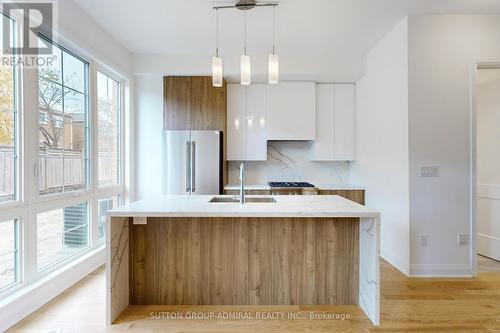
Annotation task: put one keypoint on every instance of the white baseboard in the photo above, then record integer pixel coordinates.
(403, 268)
(29, 299)
(450, 270)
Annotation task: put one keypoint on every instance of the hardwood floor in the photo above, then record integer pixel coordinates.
(408, 305)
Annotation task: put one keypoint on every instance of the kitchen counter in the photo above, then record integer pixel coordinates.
(300, 250)
(285, 206)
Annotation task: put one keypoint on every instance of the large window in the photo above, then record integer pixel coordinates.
(9, 253)
(8, 123)
(76, 141)
(63, 123)
(61, 233)
(108, 127)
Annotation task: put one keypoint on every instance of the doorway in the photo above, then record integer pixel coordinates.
(488, 168)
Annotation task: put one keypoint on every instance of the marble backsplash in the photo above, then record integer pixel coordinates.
(289, 161)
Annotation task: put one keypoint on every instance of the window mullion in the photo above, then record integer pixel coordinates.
(31, 171)
(94, 149)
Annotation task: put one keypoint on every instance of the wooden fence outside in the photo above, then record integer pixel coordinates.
(57, 168)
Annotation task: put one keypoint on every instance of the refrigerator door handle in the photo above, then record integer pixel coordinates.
(188, 166)
(193, 166)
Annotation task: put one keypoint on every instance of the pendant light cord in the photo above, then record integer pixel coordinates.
(217, 34)
(245, 39)
(274, 30)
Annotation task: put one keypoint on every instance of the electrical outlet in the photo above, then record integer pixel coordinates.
(429, 171)
(140, 220)
(462, 239)
(424, 240)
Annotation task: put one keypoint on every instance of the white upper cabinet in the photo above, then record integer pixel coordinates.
(291, 111)
(323, 147)
(236, 123)
(335, 112)
(344, 122)
(256, 123)
(246, 122)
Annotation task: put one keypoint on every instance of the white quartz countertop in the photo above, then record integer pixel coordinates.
(318, 186)
(285, 206)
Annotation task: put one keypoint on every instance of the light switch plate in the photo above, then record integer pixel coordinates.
(140, 220)
(429, 171)
(462, 239)
(424, 240)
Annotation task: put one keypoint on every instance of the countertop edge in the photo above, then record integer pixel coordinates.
(211, 214)
(320, 187)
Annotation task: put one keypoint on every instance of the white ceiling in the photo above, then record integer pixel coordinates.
(340, 27)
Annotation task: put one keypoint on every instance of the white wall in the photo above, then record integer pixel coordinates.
(488, 163)
(319, 68)
(382, 142)
(148, 135)
(441, 52)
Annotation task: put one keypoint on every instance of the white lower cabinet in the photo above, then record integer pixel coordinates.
(246, 126)
(335, 117)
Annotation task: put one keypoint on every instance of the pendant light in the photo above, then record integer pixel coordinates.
(245, 61)
(273, 62)
(245, 66)
(216, 61)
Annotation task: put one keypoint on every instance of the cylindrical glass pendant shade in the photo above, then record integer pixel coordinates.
(217, 72)
(273, 69)
(246, 71)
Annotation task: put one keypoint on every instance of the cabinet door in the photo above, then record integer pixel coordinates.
(256, 123)
(322, 149)
(344, 122)
(291, 111)
(236, 123)
(192, 103)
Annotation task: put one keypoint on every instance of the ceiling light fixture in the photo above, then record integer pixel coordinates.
(245, 61)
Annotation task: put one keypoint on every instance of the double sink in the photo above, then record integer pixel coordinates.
(247, 200)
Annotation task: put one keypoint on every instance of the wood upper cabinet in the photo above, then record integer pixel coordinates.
(246, 117)
(192, 103)
(291, 111)
(335, 116)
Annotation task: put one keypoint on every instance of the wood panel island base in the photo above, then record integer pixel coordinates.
(184, 250)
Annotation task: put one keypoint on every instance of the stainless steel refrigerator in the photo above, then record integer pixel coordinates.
(192, 162)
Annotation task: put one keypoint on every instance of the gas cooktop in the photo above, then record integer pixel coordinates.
(290, 184)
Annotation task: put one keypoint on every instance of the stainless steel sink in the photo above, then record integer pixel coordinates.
(247, 200)
(260, 200)
(224, 199)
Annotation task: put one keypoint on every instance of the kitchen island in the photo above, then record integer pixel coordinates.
(296, 250)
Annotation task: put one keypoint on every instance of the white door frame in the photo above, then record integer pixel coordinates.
(476, 65)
